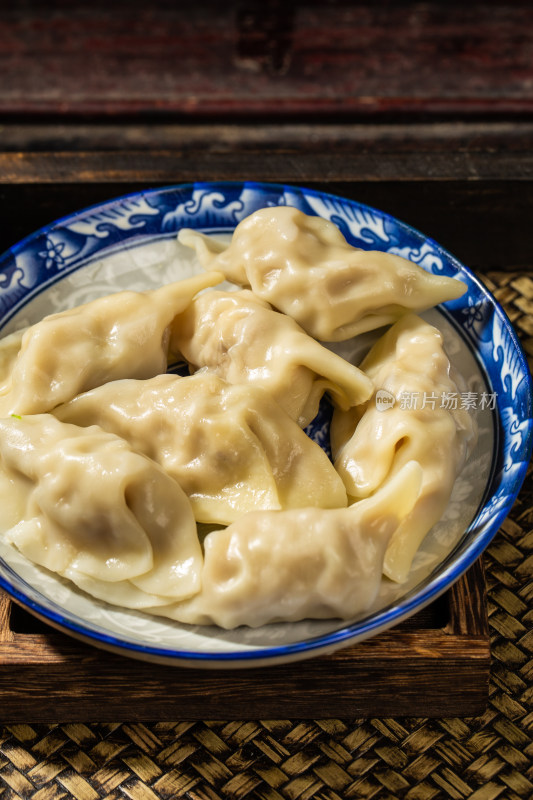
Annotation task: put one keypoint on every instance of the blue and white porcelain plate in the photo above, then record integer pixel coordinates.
(131, 243)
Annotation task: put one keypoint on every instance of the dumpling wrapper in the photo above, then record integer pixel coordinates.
(303, 265)
(82, 504)
(370, 445)
(284, 566)
(122, 335)
(243, 340)
(9, 350)
(230, 447)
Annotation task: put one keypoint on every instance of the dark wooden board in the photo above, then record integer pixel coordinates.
(436, 664)
(475, 139)
(485, 223)
(266, 57)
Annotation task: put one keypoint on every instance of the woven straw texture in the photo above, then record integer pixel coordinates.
(479, 758)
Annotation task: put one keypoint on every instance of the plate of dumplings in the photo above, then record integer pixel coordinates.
(243, 424)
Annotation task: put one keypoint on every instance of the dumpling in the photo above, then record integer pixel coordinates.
(84, 505)
(243, 340)
(230, 447)
(282, 566)
(302, 265)
(415, 415)
(123, 335)
(9, 350)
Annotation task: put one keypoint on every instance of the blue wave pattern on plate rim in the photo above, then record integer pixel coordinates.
(73, 241)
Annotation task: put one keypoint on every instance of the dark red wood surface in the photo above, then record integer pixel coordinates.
(231, 58)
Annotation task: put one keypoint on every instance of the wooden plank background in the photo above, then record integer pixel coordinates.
(266, 57)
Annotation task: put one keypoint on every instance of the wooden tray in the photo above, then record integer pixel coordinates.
(433, 665)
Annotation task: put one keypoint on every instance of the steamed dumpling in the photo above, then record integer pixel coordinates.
(82, 504)
(370, 445)
(284, 566)
(9, 350)
(302, 265)
(230, 447)
(243, 340)
(123, 335)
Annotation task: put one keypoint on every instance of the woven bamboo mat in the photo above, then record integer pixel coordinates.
(480, 758)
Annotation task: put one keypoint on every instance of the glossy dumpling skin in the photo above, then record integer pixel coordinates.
(243, 340)
(82, 504)
(283, 566)
(118, 336)
(9, 350)
(230, 447)
(302, 265)
(370, 445)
